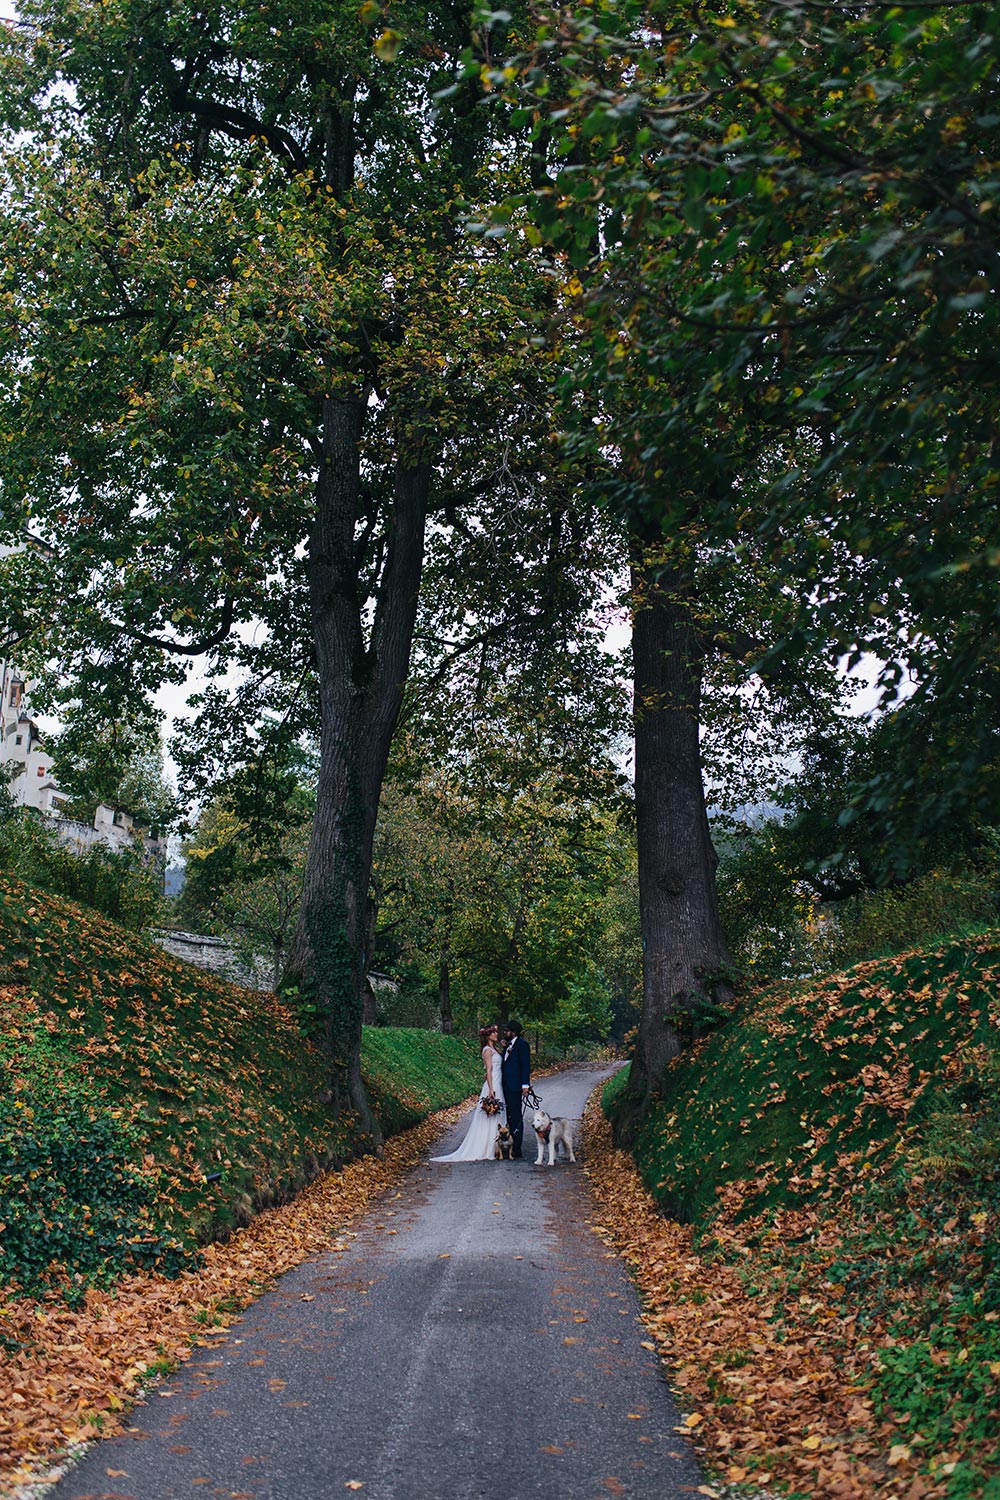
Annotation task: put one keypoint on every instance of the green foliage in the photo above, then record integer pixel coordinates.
(583, 1019)
(245, 862)
(929, 1224)
(766, 909)
(505, 879)
(934, 906)
(777, 926)
(117, 763)
(818, 191)
(872, 804)
(271, 350)
(866, 1104)
(217, 1082)
(73, 1208)
(614, 1090)
(121, 883)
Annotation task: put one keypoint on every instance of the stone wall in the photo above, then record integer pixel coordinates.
(215, 954)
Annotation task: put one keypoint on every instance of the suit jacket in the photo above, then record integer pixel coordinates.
(515, 1070)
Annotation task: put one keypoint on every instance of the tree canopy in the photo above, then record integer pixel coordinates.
(369, 355)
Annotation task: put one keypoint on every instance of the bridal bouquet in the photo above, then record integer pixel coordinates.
(490, 1106)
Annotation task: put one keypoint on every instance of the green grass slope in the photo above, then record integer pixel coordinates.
(807, 1086)
(145, 1104)
(839, 1143)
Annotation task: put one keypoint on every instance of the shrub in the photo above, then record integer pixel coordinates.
(120, 883)
(936, 905)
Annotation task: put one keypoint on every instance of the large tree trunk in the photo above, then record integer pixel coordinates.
(684, 953)
(444, 995)
(361, 686)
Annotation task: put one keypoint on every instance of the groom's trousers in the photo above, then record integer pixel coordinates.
(515, 1118)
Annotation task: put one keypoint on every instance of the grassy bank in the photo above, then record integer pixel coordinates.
(147, 1107)
(835, 1148)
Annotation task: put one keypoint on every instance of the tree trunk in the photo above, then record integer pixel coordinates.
(360, 688)
(684, 955)
(369, 1015)
(444, 970)
(444, 996)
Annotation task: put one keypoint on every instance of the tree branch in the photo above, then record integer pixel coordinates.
(239, 125)
(193, 648)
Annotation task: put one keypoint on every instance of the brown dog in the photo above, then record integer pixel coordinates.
(504, 1147)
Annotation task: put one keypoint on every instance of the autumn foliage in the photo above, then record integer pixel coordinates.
(71, 1374)
(147, 1108)
(832, 1315)
(150, 1117)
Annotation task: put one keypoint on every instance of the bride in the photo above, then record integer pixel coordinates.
(481, 1135)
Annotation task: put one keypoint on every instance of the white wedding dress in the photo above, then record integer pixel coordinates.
(480, 1138)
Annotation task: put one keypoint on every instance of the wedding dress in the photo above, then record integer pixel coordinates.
(480, 1138)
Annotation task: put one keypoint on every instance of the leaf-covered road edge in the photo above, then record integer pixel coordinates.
(78, 1372)
(792, 1412)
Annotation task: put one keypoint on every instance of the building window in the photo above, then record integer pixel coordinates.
(41, 770)
(18, 739)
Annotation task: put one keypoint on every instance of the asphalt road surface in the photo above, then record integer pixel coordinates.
(476, 1339)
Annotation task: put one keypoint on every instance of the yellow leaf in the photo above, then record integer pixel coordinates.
(694, 1420)
(812, 1443)
(898, 1454)
(387, 45)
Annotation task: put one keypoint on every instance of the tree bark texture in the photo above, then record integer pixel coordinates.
(361, 684)
(683, 946)
(444, 996)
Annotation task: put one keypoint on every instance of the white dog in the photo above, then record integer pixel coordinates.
(552, 1131)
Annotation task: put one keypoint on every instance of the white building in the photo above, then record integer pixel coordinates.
(32, 783)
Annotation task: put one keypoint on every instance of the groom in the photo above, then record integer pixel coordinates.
(515, 1074)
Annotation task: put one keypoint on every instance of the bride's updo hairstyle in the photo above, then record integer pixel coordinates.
(484, 1033)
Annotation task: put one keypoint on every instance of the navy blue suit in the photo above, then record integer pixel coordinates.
(515, 1072)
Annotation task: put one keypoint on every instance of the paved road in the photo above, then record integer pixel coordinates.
(488, 1347)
